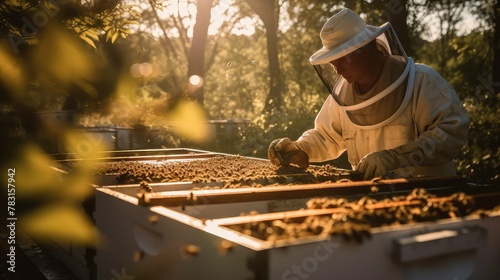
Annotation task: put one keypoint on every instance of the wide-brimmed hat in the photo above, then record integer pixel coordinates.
(344, 33)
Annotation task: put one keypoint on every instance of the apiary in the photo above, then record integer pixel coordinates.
(188, 214)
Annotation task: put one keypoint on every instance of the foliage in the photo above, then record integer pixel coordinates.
(235, 86)
(468, 70)
(479, 160)
(113, 24)
(24, 21)
(54, 54)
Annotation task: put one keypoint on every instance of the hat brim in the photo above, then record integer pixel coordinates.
(370, 33)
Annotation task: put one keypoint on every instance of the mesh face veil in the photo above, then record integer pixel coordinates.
(400, 84)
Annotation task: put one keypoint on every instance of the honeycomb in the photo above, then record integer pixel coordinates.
(353, 219)
(230, 170)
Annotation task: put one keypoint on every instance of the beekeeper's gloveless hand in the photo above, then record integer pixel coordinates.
(378, 163)
(284, 152)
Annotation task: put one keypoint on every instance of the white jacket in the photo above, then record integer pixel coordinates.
(431, 130)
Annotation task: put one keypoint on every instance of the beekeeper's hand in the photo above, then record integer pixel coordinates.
(284, 152)
(378, 163)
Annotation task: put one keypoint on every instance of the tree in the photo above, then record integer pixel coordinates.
(395, 12)
(449, 14)
(191, 54)
(51, 50)
(496, 47)
(268, 12)
(56, 55)
(196, 59)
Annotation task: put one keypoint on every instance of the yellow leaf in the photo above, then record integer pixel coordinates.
(51, 6)
(188, 120)
(11, 74)
(109, 34)
(60, 56)
(34, 176)
(92, 33)
(77, 186)
(88, 41)
(125, 30)
(115, 35)
(86, 146)
(60, 222)
(37, 177)
(130, 22)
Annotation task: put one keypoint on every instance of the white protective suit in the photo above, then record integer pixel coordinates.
(430, 130)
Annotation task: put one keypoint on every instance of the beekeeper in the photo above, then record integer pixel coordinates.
(390, 114)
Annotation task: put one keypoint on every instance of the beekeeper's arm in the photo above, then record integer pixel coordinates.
(324, 141)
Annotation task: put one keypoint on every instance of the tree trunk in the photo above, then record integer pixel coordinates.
(196, 59)
(268, 11)
(395, 12)
(496, 49)
(398, 22)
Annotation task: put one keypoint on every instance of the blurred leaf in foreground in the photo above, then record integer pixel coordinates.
(188, 120)
(60, 222)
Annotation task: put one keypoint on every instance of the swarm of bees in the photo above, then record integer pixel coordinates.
(353, 220)
(231, 171)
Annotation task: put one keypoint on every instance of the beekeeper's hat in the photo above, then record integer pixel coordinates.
(344, 33)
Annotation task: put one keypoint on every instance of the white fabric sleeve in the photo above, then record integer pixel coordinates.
(324, 142)
(441, 121)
